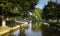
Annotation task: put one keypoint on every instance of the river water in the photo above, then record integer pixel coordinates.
(35, 29)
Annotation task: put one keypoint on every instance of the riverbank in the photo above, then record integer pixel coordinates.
(6, 29)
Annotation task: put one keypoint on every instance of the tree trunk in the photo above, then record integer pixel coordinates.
(57, 21)
(3, 22)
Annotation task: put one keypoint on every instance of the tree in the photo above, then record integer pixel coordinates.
(28, 6)
(21, 6)
(48, 11)
(51, 11)
(36, 14)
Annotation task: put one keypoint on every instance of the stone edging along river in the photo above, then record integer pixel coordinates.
(9, 29)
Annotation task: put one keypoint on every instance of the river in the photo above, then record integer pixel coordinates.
(35, 29)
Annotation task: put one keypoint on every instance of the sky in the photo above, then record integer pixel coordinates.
(42, 3)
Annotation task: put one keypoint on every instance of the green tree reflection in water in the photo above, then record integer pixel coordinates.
(36, 26)
(22, 32)
(50, 31)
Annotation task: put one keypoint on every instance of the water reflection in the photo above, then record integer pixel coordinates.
(35, 29)
(22, 32)
(36, 26)
(50, 31)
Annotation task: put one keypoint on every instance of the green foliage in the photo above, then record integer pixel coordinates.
(51, 11)
(23, 6)
(36, 14)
